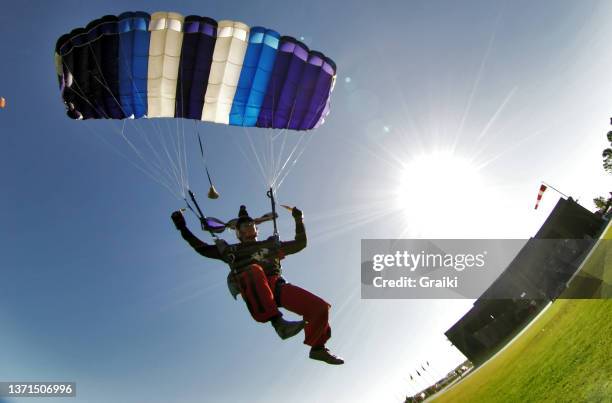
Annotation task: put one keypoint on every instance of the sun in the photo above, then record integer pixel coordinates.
(434, 188)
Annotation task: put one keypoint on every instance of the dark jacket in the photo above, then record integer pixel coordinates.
(239, 256)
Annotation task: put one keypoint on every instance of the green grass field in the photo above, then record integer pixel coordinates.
(565, 356)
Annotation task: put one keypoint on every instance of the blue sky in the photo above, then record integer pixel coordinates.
(97, 287)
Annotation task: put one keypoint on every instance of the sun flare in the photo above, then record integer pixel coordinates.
(437, 186)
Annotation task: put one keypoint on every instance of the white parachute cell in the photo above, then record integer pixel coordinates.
(164, 60)
(228, 57)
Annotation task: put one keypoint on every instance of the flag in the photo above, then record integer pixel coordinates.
(540, 193)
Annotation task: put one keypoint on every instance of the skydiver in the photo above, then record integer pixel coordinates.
(255, 273)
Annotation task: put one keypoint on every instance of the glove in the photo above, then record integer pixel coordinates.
(297, 213)
(179, 220)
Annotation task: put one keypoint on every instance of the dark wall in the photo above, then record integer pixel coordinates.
(539, 273)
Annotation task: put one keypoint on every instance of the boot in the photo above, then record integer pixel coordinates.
(323, 354)
(285, 328)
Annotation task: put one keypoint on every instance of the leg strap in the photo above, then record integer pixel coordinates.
(277, 290)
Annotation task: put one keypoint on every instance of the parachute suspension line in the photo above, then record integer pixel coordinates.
(195, 128)
(180, 182)
(208, 176)
(137, 166)
(182, 124)
(246, 157)
(156, 127)
(261, 157)
(278, 171)
(134, 148)
(310, 137)
(278, 163)
(105, 86)
(185, 155)
(206, 165)
(166, 168)
(254, 151)
(181, 154)
(178, 150)
(278, 168)
(145, 161)
(156, 130)
(271, 179)
(271, 159)
(145, 137)
(180, 147)
(212, 192)
(176, 147)
(79, 92)
(172, 162)
(281, 151)
(271, 141)
(319, 109)
(282, 171)
(295, 160)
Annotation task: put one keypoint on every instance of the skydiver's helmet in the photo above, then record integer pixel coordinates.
(243, 218)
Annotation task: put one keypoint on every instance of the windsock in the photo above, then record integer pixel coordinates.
(540, 193)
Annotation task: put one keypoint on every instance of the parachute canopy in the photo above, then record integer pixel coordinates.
(137, 65)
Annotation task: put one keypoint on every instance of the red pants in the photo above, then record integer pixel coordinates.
(257, 290)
